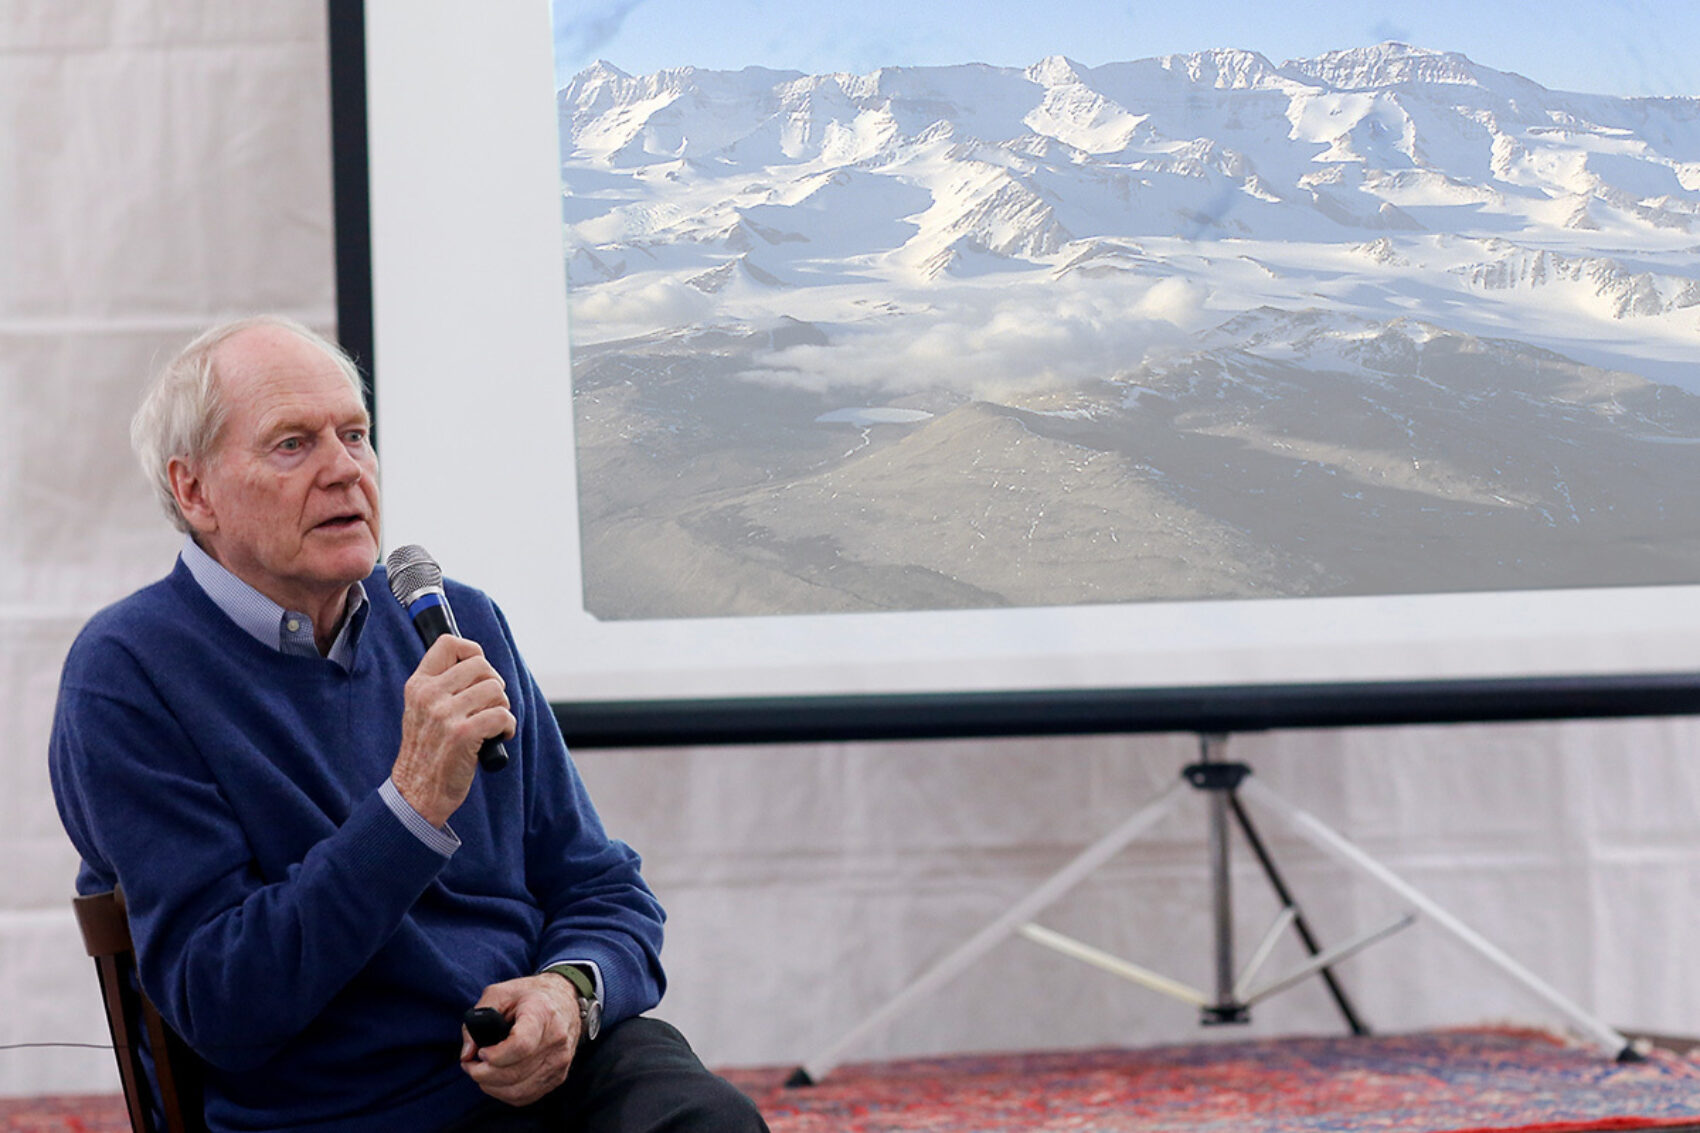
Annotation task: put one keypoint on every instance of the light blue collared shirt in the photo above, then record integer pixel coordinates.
(287, 631)
(291, 631)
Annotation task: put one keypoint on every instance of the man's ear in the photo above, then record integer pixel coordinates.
(190, 491)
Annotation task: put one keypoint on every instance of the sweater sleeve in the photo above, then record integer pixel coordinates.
(237, 964)
(595, 902)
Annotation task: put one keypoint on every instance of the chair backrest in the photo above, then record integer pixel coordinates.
(168, 1100)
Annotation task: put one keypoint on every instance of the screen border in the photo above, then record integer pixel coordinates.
(790, 719)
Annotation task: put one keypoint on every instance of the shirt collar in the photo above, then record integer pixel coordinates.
(287, 631)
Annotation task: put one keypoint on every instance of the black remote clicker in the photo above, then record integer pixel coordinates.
(487, 1026)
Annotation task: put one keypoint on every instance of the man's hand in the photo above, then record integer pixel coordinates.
(536, 1055)
(453, 702)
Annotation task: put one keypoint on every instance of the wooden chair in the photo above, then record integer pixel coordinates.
(169, 1099)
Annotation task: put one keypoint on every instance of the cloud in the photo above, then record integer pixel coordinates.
(996, 342)
(583, 30)
(1386, 31)
(619, 311)
(1174, 300)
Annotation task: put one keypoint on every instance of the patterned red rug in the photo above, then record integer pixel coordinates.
(1475, 1081)
(1438, 1082)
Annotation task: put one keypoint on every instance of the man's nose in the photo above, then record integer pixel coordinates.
(340, 467)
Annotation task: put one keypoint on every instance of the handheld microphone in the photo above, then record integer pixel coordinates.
(417, 583)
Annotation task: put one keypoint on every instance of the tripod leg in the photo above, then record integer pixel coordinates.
(1227, 1008)
(1300, 925)
(1049, 891)
(1325, 838)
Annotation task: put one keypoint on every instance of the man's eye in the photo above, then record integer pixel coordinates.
(290, 444)
(355, 436)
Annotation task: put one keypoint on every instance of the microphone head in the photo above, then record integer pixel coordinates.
(412, 571)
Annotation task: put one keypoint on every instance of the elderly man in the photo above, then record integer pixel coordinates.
(320, 880)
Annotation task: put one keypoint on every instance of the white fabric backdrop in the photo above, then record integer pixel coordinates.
(166, 163)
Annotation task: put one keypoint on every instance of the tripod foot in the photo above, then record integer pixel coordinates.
(1630, 1054)
(799, 1077)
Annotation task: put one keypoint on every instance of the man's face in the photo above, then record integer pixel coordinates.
(288, 498)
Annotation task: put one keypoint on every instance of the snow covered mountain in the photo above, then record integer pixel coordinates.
(1388, 181)
(1079, 248)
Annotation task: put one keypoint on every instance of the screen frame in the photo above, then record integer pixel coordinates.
(1030, 712)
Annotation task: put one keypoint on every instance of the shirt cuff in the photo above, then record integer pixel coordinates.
(595, 973)
(444, 840)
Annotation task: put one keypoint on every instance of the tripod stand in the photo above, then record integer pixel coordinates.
(1224, 783)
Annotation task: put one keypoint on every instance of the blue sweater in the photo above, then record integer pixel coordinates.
(310, 948)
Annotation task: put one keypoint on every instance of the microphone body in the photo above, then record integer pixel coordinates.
(417, 583)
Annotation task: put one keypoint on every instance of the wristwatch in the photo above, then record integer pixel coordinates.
(589, 1007)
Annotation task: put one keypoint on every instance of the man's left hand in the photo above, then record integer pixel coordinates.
(538, 1051)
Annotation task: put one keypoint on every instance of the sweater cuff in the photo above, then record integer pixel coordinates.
(444, 841)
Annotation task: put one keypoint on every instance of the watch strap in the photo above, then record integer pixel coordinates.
(589, 1006)
(576, 976)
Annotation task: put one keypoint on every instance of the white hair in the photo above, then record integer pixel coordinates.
(183, 411)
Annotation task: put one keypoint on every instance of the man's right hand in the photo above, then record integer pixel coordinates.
(453, 702)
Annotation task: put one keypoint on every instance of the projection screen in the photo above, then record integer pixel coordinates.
(1014, 378)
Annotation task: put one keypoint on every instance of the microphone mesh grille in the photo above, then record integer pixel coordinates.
(412, 569)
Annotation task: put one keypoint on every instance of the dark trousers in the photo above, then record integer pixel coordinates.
(638, 1077)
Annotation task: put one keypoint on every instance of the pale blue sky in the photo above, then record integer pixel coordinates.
(1634, 47)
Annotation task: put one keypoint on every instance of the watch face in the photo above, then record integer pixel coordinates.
(590, 1014)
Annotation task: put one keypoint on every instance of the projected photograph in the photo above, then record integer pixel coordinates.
(922, 334)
